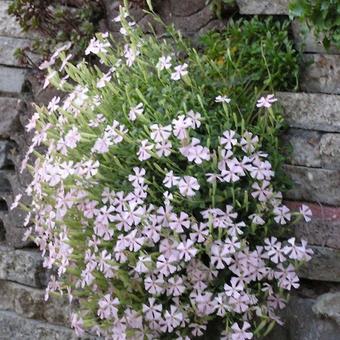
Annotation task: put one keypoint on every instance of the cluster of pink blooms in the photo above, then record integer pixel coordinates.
(149, 268)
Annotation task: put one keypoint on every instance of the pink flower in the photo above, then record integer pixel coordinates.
(72, 138)
(266, 101)
(165, 266)
(177, 223)
(228, 139)
(241, 333)
(144, 150)
(152, 311)
(187, 185)
(136, 111)
(186, 250)
(180, 126)
(172, 319)
(77, 324)
(170, 180)
(306, 212)
(108, 307)
(282, 214)
(176, 286)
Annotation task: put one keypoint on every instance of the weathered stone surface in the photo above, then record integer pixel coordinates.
(9, 116)
(328, 306)
(314, 185)
(311, 111)
(314, 149)
(5, 147)
(193, 23)
(263, 6)
(301, 323)
(321, 73)
(12, 79)
(15, 327)
(22, 266)
(8, 26)
(186, 8)
(330, 151)
(8, 46)
(29, 303)
(323, 229)
(307, 42)
(324, 266)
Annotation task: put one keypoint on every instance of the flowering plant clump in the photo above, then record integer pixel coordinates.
(156, 201)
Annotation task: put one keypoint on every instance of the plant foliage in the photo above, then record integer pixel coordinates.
(159, 196)
(323, 16)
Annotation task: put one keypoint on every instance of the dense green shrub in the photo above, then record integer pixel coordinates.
(323, 16)
(159, 194)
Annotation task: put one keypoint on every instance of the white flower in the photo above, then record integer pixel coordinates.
(180, 71)
(222, 99)
(164, 63)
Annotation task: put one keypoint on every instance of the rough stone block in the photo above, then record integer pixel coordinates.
(324, 266)
(8, 25)
(12, 79)
(314, 185)
(310, 111)
(8, 46)
(301, 323)
(328, 306)
(29, 303)
(9, 116)
(15, 327)
(22, 266)
(323, 229)
(314, 149)
(186, 8)
(321, 73)
(263, 6)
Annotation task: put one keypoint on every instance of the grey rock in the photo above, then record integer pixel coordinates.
(305, 147)
(321, 73)
(9, 116)
(311, 111)
(319, 231)
(263, 6)
(29, 303)
(5, 148)
(328, 305)
(193, 23)
(330, 151)
(301, 323)
(22, 266)
(8, 45)
(8, 25)
(307, 42)
(324, 266)
(314, 185)
(313, 149)
(186, 8)
(12, 79)
(15, 327)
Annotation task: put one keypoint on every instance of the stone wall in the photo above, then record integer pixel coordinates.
(314, 120)
(313, 116)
